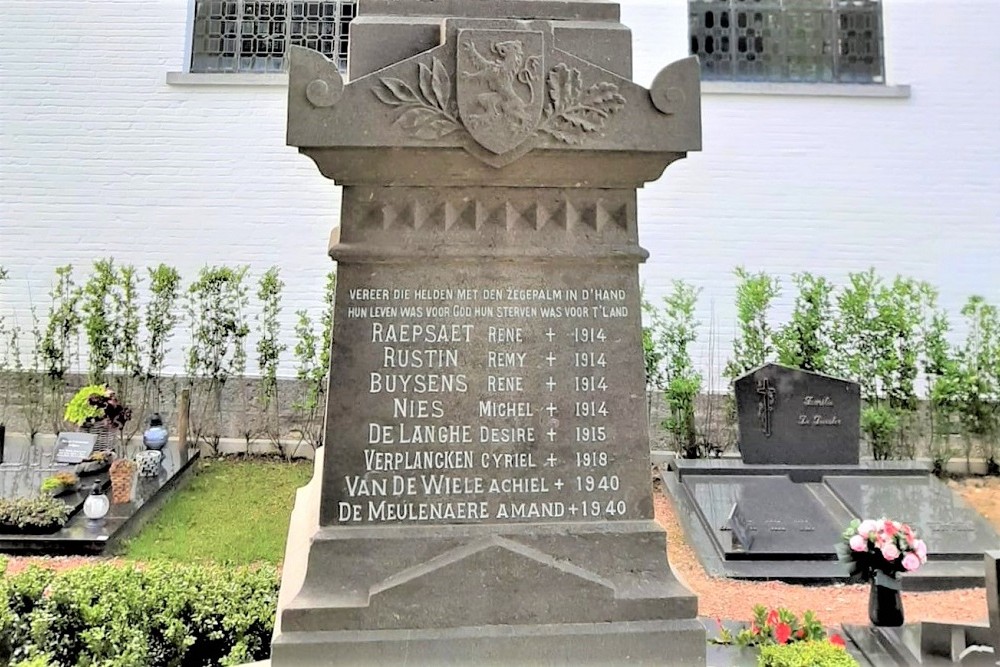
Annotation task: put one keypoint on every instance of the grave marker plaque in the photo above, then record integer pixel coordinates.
(795, 417)
(485, 493)
(74, 447)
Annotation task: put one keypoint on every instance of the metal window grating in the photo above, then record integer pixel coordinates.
(252, 35)
(815, 41)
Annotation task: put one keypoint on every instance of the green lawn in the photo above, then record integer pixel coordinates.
(234, 511)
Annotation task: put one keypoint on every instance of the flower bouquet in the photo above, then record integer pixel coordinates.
(879, 551)
(876, 547)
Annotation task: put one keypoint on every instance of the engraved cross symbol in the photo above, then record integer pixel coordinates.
(551, 383)
(551, 433)
(765, 405)
(551, 461)
(551, 407)
(550, 334)
(550, 358)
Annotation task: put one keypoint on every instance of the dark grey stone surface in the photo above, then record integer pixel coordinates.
(941, 517)
(485, 491)
(784, 518)
(790, 416)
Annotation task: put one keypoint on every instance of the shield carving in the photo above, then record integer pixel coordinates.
(500, 86)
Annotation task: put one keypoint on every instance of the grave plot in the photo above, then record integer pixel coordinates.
(778, 512)
(24, 469)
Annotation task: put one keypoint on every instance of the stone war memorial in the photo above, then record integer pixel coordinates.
(484, 496)
(776, 512)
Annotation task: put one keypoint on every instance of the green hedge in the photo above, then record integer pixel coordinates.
(805, 654)
(162, 615)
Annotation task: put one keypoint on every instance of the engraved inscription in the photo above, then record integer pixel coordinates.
(818, 419)
(487, 403)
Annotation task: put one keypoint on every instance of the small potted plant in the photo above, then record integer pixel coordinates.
(44, 514)
(98, 461)
(879, 551)
(96, 409)
(60, 483)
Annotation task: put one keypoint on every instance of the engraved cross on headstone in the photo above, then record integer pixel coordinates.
(766, 406)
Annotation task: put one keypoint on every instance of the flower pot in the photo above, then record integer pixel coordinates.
(885, 601)
(105, 436)
(122, 473)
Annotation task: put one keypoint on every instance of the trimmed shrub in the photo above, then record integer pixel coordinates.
(805, 654)
(162, 615)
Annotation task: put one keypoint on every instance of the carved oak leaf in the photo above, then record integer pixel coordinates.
(571, 112)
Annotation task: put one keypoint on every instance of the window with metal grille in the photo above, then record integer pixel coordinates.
(815, 41)
(252, 35)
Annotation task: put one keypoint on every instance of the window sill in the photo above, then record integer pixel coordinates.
(804, 89)
(227, 79)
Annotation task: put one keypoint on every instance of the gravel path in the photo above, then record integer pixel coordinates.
(734, 600)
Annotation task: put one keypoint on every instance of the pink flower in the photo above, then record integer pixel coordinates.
(890, 552)
(772, 617)
(911, 562)
(921, 548)
(867, 526)
(858, 543)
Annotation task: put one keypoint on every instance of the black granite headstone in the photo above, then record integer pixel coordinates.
(74, 447)
(794, 417)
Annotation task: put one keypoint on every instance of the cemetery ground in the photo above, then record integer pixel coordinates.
(236, 511)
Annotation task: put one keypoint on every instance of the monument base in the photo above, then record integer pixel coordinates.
(518, 594)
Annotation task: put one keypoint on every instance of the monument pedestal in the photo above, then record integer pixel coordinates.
(560, 594)
(485, 493)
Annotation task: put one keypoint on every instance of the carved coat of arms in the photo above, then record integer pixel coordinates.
(500, 86)
(505, 95)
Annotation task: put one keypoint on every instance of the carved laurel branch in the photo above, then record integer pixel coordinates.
(427, 112)
(572, 112)
(569, 116)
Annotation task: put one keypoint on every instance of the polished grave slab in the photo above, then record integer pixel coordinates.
(24, 468)
(795, 525)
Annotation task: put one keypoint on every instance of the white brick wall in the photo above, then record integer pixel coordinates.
(101, 157)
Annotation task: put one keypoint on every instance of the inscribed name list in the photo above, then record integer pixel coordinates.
(501, 398)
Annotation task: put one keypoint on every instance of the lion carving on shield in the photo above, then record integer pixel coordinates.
(500, 75)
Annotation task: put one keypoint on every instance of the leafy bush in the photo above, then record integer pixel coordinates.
(161, 615)
(774, 626)
(35, 515)
(805, 654)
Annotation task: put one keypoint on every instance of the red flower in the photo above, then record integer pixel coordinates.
(718, 622)
(754, 629)
(801, 633)
(772, 617)
(782, 633)
(837, 640)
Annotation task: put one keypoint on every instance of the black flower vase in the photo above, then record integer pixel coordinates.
(885, 601)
